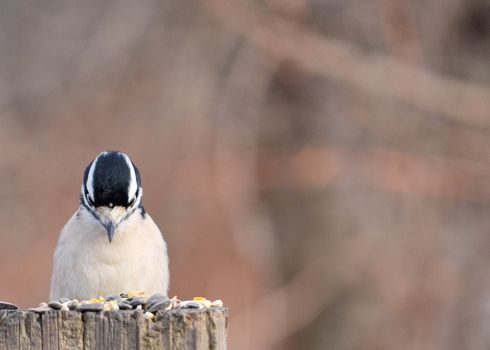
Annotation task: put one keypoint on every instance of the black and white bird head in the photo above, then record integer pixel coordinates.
(111, 190)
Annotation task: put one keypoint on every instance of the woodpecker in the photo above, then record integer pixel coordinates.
(110, 245)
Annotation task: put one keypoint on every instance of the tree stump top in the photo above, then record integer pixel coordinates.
(171, 329)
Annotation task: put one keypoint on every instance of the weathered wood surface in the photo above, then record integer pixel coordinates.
(56, 330)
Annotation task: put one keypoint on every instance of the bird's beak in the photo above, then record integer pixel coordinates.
(110, 219)
(110, 227)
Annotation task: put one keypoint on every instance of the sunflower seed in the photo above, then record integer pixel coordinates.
(149, 315)
(72, 305)
(137, 301)
(7, 306)
(40, 309)
(160, 306)
(111, 306)
(90, 307)
(55, 305)
(190, 304)
(217, 303)
(124, 306)
(155, 299)
(113, 297)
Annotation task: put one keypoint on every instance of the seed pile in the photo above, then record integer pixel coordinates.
(124, 301)
(7, 306)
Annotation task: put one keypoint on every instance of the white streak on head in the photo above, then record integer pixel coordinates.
(138, 200)
(90, 177)
(133, 185)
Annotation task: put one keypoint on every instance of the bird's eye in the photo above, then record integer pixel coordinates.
(131, 202)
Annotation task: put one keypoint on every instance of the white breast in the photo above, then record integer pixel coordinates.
(86, 265)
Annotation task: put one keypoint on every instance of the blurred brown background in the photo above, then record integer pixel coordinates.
(320, 165)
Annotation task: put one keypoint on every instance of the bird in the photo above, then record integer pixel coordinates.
(110, 245)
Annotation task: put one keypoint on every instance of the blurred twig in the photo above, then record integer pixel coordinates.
(400, 29)
(317, 167)
(377, 74)
(250, 226)
(434, 136)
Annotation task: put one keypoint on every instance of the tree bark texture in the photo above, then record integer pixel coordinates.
(57, 330)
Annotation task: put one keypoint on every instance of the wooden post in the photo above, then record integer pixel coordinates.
(56, 330)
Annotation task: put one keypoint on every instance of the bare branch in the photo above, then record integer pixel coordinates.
(376, 74)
